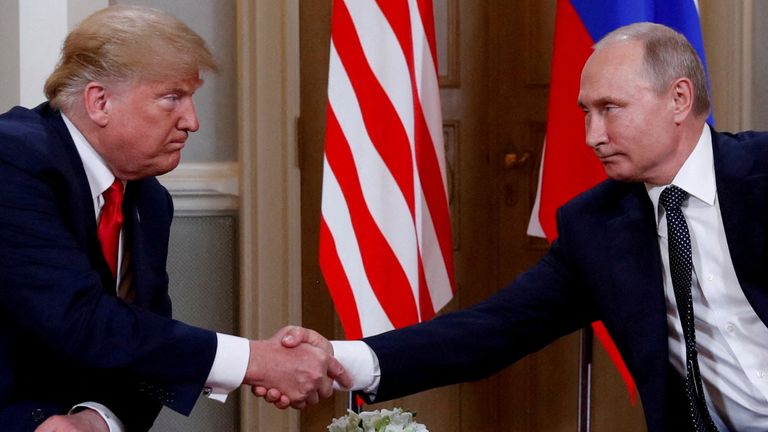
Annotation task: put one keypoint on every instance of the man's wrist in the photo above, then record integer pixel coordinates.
(229, 366)
(360, 362)
(113, 422)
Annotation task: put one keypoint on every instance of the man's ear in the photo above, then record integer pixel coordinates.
(97, 103)
(682, 97)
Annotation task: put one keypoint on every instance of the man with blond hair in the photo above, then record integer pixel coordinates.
(86, 338)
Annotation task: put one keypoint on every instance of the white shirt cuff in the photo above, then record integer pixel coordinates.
(229, 366)
(114, 423)
(361, 364)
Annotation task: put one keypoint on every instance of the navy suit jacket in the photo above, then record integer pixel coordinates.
(605, 265)
(65, 337)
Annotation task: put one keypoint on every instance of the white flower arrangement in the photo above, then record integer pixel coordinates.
(384, 420)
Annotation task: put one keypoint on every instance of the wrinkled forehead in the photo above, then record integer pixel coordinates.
(186, 83)
(165, 71)
(612, 66)
(158, 86)
(616, 56)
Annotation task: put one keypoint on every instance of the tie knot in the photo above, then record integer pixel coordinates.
(672, 196)
(114, 194)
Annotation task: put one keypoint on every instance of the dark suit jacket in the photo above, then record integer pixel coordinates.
(605, 265)
(65, 337)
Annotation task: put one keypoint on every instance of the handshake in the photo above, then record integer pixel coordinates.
(295, 368)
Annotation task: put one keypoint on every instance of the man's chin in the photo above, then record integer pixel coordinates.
(615, 172)
(153, 170)
(170, 165)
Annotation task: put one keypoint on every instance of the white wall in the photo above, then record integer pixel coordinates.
(760, 66)
(9, 52)
(31, 34)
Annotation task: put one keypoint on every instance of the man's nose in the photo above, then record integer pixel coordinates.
(595, 131)
(189, 121)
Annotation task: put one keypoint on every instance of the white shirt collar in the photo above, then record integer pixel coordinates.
(100, 177)
(696, 176)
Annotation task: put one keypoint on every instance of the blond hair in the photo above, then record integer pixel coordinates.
(125, 43)
(668, 56)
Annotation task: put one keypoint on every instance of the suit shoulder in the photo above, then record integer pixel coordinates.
(601, 198)
(18, 124)
(752, 141)
(25, 135)
(743, 136)
(736, 149)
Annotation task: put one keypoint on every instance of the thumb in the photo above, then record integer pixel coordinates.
(294, 337)
(337, 372)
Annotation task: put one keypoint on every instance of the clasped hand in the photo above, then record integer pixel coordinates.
(295, 368)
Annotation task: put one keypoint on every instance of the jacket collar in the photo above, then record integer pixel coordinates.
(81, 200)
(636, 274)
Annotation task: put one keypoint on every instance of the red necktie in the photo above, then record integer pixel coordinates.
(110, 222)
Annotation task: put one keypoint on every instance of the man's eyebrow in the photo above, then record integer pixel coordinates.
(176, 90)
(183, 89)
(600, 101)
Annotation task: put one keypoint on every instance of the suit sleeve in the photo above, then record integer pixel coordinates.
(55, 301)
(541, 305)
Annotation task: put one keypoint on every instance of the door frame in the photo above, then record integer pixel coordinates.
(270, 224)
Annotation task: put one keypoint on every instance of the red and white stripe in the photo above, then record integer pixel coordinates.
(385, 236)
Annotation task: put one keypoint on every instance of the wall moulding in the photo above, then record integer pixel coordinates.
(202, 188)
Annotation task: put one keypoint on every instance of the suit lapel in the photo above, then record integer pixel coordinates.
(147, 221)
(742, 196)
(636, 267)
(133, 244)
(79, 207)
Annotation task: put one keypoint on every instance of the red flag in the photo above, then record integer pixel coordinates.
(568, 166)
(385, 236)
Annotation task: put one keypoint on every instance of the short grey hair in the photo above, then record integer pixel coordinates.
(668, 56)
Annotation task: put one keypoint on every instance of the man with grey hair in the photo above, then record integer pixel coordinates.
(86, 338)
(669, 253)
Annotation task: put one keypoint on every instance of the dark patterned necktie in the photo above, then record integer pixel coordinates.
(681, 266)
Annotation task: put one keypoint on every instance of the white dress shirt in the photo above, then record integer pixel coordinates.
(731, 340)
(232, 352)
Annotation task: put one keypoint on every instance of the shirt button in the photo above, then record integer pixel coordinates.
(710, 277)
(762, 374)
(730, 328)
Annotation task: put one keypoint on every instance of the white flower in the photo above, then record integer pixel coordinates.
(384, 420)
(347, 423)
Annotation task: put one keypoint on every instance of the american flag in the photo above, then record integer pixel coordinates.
(385, 235)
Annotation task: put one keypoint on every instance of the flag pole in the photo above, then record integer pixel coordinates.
(585, 379)
(354, 403)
